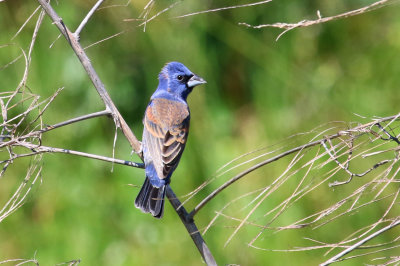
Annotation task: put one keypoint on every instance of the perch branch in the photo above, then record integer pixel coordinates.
(191, 228)
(120, 122)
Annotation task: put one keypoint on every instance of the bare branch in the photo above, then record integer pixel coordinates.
(320, 20)
(79, 51)
(18, 198)
(392, 260)
(266, 192)
(224, 8)
(44, 149)
(359, 130)
(86, 19)
(105, 39)
(361, 242)
(11, 62)
(20, 261)
(255, 167)
(26, 22)
(191, 228)
(346, 166)
(70, 121)
(113, 6)
(156, 15)
(120, 122)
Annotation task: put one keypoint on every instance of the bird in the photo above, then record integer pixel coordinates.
(166, 128)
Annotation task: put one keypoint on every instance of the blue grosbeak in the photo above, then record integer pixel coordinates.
(166, 128)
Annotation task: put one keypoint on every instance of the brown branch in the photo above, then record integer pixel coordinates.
(346, 167)
(68, 122)
(44, 149)
(86, 19)
(120, 122)
(79, 51)
(191, 228)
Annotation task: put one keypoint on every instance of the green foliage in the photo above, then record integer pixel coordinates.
(259, 92)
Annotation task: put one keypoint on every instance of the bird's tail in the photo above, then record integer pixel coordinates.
(151, 199)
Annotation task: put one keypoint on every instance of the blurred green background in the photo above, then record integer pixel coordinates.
(259, 92)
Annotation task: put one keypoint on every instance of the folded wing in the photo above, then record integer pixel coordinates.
(167, 127)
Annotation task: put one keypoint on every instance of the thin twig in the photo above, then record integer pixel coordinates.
(224, 8)
(275, 184)
(158, 14)
(26, 22)
(361, 242)
(359, 129)
(306, 23)
(70, 121)
(251, 169)
(77, 33)
(79, 51)
(105, 39)
(21, 261)
(44, 149)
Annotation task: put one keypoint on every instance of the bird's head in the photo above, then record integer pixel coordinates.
(176, 79)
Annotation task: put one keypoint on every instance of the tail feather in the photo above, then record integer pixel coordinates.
(151, 199)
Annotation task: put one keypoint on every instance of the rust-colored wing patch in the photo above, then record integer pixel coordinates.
(166, 130)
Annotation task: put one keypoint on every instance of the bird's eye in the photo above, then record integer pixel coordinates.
(180, 77)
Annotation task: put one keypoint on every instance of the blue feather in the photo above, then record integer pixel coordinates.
(166, 127)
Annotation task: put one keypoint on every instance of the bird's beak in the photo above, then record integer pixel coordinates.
(194, 81)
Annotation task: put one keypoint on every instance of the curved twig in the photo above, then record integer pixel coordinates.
(361, 128)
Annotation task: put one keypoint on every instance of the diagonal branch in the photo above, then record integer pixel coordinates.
(105, 97)
(191, 228)
(70, 121)
(120, 122)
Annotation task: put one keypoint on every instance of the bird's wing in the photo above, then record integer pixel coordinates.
(166, 125)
